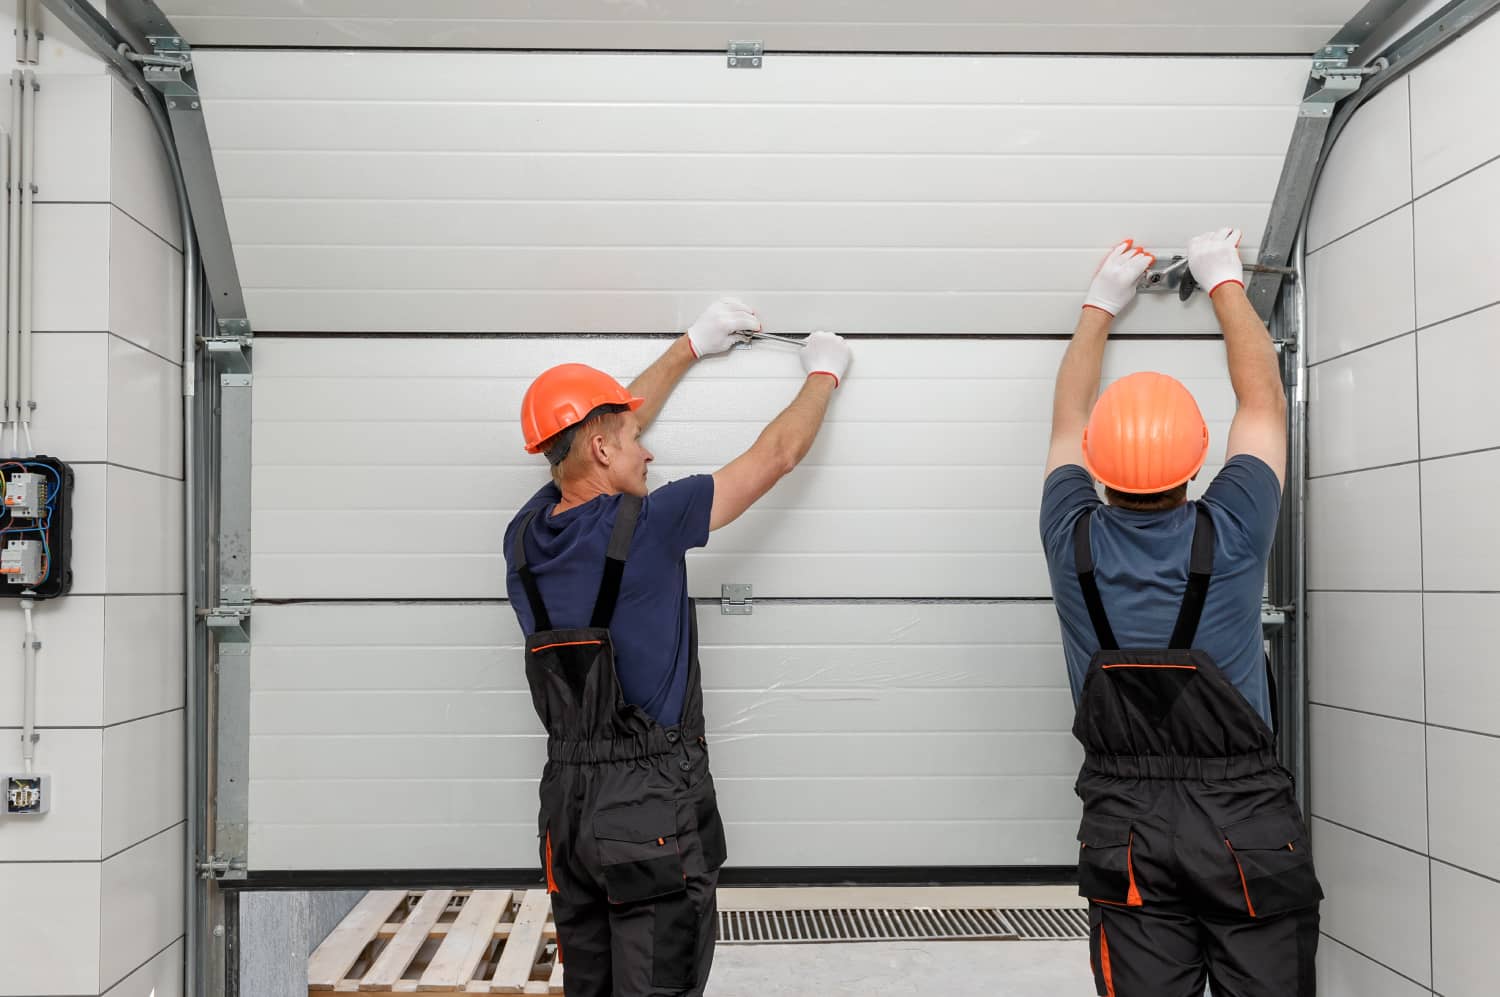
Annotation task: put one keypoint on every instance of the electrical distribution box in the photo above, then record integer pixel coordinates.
(26, 795)
(36, 527)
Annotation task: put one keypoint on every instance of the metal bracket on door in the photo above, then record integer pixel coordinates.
(1331, 68)
(734, 600)
(745, 55)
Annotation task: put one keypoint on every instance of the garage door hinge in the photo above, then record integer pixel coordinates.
(230, 622)
(1273, 618)
(220, 867)
(735, 600)
(230, 348)
(745, 55)
(1331, 68)
(166, 69)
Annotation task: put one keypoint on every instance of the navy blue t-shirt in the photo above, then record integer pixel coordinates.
(1141, 565)
(651, 622)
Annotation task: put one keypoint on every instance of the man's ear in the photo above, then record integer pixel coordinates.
(599, 447)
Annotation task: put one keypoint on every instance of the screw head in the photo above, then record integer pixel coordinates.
(733, 60)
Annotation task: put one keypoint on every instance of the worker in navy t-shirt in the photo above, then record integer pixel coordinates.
(1192, 850)
(630, 836)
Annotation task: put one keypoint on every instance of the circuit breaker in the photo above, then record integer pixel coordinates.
(25, 494)
(36, 527)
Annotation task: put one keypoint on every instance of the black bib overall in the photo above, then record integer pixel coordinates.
(630, 835)
(1192, 849)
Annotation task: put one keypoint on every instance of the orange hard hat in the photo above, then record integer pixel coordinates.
(566, 395)
(1145, 435)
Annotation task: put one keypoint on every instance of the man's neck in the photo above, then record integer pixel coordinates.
(577, 493)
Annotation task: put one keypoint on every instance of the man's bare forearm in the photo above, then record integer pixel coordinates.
(1079, 373)
(657, 381)
(1253, 367)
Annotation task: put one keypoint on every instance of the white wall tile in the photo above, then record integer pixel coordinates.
(71, 831)
(50, 942)
(1462, 632)
(60, 50)
(140, 899)
(72, 112)
(70, 385)
(143, 656)
(145, 410)
(1457, 361)
(145, 533)
(1362, 409)
(1369, 773)
(1463, 770)
(143, 791)
(70, 280)
(1465, 214)
(161, 977)
(1365, 881)
(1447, 137)
(1343, 972)
(1466, 909)
(1360, 288)
(140, 180)
(1368, 171)
(1363, 531)
(69, 685)
(1365, 651)
(145, 287)
(89, 510)
(1459, 551)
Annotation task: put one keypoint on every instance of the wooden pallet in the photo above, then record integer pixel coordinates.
(441, 942)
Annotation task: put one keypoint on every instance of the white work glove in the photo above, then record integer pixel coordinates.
(1114, 281)
(826, 353)
(716, 329)
(1214, 259)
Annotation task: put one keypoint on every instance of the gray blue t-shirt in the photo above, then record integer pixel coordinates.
(1141, 566)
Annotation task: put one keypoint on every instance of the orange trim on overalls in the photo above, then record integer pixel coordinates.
(1104, 966)
(551, 883)
(1133, 896)
(571, 643)
(1243, 885)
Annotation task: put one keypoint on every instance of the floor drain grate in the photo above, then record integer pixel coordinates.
(1048, 924)
(877, 924)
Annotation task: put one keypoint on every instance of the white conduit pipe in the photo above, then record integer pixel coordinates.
(28, 728)
(5, 182)
(13, 256)
(33, 31)
(28, 241)
(23, 30)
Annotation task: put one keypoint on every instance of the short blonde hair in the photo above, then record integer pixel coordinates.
(605, 420)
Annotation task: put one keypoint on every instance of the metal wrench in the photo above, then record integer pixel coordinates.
(772, 337)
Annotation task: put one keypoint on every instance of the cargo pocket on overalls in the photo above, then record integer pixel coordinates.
(1105, 870)
(638, 852)
(1274, 864)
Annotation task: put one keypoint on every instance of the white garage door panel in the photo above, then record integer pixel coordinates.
(363, 125)
(400, 735)
(570, 78)
(825, 25)
(598, 312)
(943, 505)
(615, 193)
(259, 222)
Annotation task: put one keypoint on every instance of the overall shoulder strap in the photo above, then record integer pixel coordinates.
(1083, 563)
(614, 564)
(528, 580)
(1200, 573)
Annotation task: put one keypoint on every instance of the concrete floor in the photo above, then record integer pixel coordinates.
(905, 969)
(902, 969)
